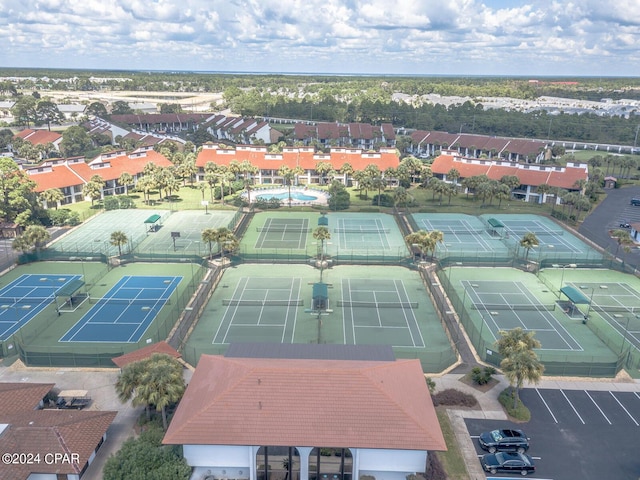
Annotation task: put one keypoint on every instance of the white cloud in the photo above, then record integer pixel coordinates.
(368, 36)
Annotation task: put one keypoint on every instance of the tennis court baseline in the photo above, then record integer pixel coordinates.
(26, 296)
(505, 305)
(125, 312)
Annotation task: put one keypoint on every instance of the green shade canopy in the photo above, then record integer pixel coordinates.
(152, 219)
(70, 288)
(320, 291)
(495, 223)
(575, 295)
(323, 221)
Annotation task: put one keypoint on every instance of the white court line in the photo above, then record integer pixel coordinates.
(571, 405)
(623, 407)
(546, 405)
(227, 310)
(404, 312)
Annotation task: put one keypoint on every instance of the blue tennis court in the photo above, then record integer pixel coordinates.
(28, 295)
(125, 312)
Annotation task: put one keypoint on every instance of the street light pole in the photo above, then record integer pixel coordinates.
(53, 287)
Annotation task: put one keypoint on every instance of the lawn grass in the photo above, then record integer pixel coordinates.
(190, 198)
(452, 460)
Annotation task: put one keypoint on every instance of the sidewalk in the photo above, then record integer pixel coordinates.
(490, 407)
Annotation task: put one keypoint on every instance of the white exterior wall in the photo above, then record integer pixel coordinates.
(389, 460)
(240, 457)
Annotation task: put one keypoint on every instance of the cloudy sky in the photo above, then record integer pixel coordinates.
(432, 37)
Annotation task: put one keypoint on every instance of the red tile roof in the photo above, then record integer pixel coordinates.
(146, 352)
(68, 174)
(562, 177)
(358, 404)
(292, 157)
(39, 137)
(46, 431)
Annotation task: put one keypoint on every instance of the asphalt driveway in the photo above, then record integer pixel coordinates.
(612, 211)
(577, 434)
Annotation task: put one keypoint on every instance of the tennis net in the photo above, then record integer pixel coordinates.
(283, 228)
(534, 307)
(143, 302)
(615, 308)
(462, 231)
(520, 232)
(404, 305)
(362, 230)
(7, 302)
(263, 303)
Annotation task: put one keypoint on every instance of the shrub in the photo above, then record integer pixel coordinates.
(435, 470)
(326, 452)
(482, 376)
(111, 203)
(431, 384)
(506, 400)
(126, 202)
(454, 397)
(386, 200)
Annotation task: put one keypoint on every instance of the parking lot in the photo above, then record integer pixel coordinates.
(577, 434)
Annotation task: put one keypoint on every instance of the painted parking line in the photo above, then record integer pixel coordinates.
(546, 405)
(571, 405)
(625, 409)
(598, 406)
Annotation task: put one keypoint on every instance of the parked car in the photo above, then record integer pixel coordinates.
(635, 202)
(506, 440)
(625, 225)
(507, 462)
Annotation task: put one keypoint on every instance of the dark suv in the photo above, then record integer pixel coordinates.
(506, 440)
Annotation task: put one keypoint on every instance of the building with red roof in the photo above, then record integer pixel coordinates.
(40, 137)
(468, 145)
(63, 442)
(356, 135)
(531, 176)
(70, 175)
(305, 157)
(245, 417)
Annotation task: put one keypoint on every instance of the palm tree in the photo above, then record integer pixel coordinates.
(438, 237)
(118, 239)
(53, 195)
(453, 175)
(346, 170)
(322, 234)
(421, 240)
(125, 179)
(400, 196)
(224, 237)
(157, 381)
(93, 190)
(529, 241)
(323, 168)
(287, 175)
(519, 362)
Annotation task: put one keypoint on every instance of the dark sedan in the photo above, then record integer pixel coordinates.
(507, 462)
(506, 440)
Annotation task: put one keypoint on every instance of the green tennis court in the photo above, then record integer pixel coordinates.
(367, 305)
(462, 233)
(555, 242)
(93, 236)
(491, 299)
(617, 303)
(182, 232)
(505, 305)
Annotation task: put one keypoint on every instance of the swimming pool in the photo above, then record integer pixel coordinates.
(299, 196)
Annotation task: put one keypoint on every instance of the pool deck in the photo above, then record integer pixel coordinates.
(319, 197)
